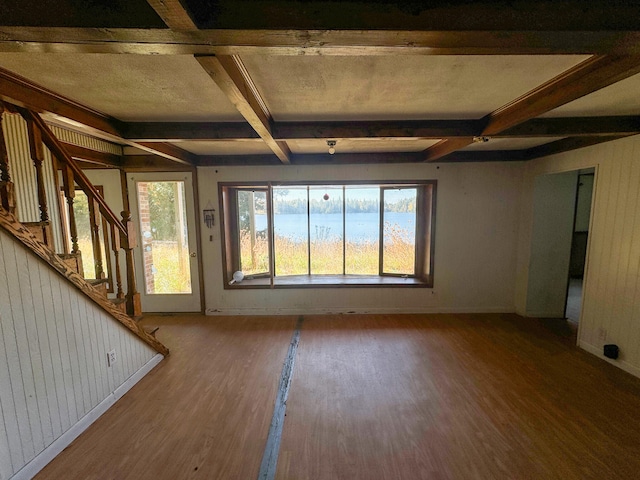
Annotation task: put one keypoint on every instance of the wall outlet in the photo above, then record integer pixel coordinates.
(111, 358)
(602, 334)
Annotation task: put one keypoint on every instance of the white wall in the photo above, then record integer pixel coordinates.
(53, 370)
(475, 250)
(611, 302)
(554, 200)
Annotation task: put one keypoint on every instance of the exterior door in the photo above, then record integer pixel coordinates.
(162, 206)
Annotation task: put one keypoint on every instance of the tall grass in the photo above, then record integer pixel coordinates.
(361, 258)
(171, 268)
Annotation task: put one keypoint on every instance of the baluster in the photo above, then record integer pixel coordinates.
(94, 223)
(36, 149)
(128, 244)
(115, 246)
(37, 155)
(7, 192)
(69, 187)
(106, 257)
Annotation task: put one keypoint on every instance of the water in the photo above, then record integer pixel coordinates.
(360, 227)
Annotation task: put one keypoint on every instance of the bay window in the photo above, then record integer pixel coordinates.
(285, 235)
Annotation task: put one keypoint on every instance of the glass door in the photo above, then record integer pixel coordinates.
(166, 255)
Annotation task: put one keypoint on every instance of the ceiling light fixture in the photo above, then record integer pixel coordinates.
(332, 146)
(480, 139)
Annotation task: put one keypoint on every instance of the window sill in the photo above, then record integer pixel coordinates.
(329, 281)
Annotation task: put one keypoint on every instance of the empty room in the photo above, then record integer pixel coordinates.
(301, 239)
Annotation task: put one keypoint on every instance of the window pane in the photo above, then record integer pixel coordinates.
(165, 246)
(325, 217)
(362, 230)
(399, 230)
(252, 223)
(290, 227)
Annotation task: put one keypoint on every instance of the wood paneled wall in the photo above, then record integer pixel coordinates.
(53, 356)
(611, 302)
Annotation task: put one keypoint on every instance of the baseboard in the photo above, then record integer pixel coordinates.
(41, 460)
(351, 310)
(597, 351)
(543, 315)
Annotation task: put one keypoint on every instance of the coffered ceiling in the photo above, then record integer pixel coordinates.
(267, 82)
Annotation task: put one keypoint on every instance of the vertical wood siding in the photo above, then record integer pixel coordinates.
(53, 347)
(611, 305)
(86, 141)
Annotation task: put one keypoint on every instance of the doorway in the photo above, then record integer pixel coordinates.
(561, 215)
(166, 257)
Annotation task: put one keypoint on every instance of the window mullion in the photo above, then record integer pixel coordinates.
(381, 233)
(344, 230)
(308, 234)
(270, 235)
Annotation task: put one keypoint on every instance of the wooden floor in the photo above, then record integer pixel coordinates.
(372, 397)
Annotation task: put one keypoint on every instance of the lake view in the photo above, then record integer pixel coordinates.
(360, 227)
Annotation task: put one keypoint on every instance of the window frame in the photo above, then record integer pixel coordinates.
(424, 238)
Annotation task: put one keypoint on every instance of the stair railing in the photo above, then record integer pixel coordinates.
(117, 234)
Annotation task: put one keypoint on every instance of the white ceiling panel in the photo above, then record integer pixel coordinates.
(128, 87)
(297, 88)
(223, 147)
(510, 143)
(361, 145)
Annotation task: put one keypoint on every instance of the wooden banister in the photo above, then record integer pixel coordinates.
(121, 232)
(56, 148)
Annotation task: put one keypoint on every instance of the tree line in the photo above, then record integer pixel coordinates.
(334, 205)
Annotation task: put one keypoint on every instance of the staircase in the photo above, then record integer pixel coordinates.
(111, 237)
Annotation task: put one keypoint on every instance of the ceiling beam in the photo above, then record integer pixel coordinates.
(177, 131)
(443, 41)
(593, 74)
(433, 129)
(574, 127)
(587, 77)
(444, 147)
(168, 151)
(376, 129)
(565, 145)
(93, 156)
(233, 79)
(174, 14)
(151, 163)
